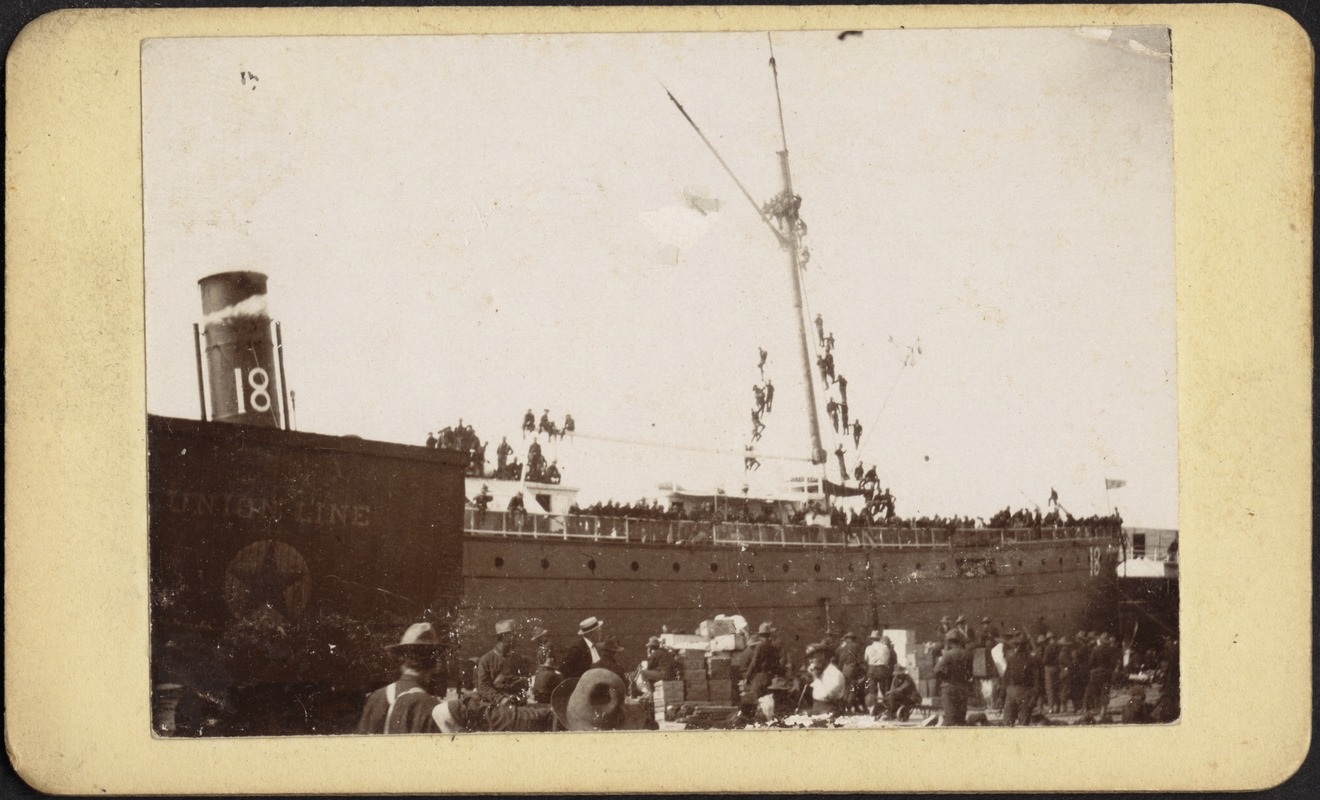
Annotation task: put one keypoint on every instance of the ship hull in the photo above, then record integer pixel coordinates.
(641, 588)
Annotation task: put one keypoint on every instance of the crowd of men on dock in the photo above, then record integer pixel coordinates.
(586, 687)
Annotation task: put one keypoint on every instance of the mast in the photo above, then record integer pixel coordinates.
(792, 244)
(789, 239)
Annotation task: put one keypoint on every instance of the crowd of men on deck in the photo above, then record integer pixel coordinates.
(537, 469)
(465, 440)
(765, 513)
(585, 686)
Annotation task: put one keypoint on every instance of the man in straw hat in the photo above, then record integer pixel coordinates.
(406, 706)
(582, 654)
(954, 670)
(500, 673)
(593, 702)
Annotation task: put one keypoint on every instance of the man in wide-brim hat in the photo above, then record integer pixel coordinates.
(848, 657)
(902, 695)
(776, 703)
(593, 702)
(954, 670)
(609, 650)
(827, 684)
(765, 661)
(540, 639)
(583, 653)
(407, 705)
(501, 674)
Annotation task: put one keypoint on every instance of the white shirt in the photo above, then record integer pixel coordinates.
(595, 655)
(879, 654)
(829, 685)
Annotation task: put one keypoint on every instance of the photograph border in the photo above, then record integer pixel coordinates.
(76, 549)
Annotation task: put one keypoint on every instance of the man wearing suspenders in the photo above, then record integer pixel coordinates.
(406, 706)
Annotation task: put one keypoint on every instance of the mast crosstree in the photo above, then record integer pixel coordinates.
(785, 207)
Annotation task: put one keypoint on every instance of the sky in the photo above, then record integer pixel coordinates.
(472, 226)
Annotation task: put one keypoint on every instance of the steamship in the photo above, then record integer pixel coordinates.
(282, 561)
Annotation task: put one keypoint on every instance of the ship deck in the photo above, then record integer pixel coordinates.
(586, 528)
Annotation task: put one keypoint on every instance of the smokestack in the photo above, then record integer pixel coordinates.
(240, 357)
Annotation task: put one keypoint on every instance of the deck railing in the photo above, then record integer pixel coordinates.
(659, 531)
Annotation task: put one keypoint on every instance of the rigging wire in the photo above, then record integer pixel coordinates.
(867, 439)
(689, 448)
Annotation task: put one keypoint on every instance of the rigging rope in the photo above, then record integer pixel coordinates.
(689, 448)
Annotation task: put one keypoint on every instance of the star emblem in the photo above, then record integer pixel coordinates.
(267, 578)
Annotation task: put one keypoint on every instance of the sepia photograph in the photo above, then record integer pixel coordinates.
(660, 381)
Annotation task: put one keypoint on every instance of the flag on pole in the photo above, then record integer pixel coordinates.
(1111, 483)
(1054, 497)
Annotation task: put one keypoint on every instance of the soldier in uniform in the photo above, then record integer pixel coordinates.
(407, 705)
(502, 454)
(902, 696)
(954, 671)
(1021, 675)
(500, 674)
(849, 658)
(766, 662)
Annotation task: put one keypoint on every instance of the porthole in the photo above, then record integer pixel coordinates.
(1042, 562)
(918, 565)
(676, 567)
(942, 565)
(1061, 561)
(714, 567)
(591, 564)
(1019, 562)
(751, 568)
(884, 567)
(545, 563)
(634, 566)
(1077, 560)
(851, 568)
(786, 568)
(499, 562)
(818, 567)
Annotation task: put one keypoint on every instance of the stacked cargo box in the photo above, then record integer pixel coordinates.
(719, 670)
(696, 685)
(667, 693)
